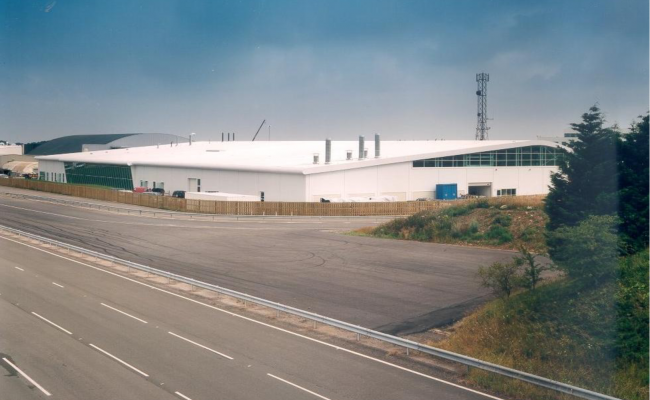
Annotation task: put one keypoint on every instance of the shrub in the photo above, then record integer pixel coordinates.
(502, 278)
(473, 227)
(499, 234)
(532, 273)
(503, 220)
(588, 251)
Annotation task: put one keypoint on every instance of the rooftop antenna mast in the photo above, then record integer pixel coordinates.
(481, 115)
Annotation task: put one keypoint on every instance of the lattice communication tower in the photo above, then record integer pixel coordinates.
(481, 115)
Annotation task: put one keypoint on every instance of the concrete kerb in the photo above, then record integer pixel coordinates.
(332, 323)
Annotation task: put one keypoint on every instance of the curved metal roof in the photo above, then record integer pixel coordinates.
(72, 144)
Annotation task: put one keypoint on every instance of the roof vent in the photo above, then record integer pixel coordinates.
(377, 145)
(349, 155)
(361, 146)
(316, 158)
(328, 150)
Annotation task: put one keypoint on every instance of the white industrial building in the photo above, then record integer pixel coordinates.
(311, 170)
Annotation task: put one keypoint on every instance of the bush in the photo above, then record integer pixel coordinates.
(503, 220)
(502, 278)
(588, 251)
(499, 234)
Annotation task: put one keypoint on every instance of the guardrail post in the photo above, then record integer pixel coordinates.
(407, 351)
(358, 337)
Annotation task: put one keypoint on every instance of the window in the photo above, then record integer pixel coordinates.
(114, 176)
(506, 192)
(535, 156)
(198, 185)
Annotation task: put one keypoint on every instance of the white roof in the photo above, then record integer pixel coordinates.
(286, 157)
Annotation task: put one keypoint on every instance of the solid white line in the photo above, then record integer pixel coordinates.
(19, 268)
(54, 283)
(181, 395)
(117, 359)
(299, 387)
(33, 382)
(200, 345)
(122, 312)
(263, 323)
(52, 323)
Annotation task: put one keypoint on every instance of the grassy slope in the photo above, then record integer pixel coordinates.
(561, 331)
(476, 223)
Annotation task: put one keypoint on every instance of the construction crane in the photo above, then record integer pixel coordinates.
(258, 130)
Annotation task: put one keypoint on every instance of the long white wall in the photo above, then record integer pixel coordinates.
(276, 186)
(408, 183)
(400, 180)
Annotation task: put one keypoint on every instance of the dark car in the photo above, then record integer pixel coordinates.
(160, 191)
(179, 193)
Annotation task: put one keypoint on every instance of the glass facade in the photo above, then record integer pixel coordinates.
(114, 176)
(534, 156)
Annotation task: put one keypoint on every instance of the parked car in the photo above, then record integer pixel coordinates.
(159, 190)
(140, 189)
(179, 194)
(3, 176)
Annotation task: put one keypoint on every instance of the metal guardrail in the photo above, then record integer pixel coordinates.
(186, 215)
(359, 330)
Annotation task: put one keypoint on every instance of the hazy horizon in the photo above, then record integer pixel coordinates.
(404, 69)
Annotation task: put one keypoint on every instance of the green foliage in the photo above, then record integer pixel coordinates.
(633, 183)
(587, 252)
(586, 183)
(503, 219)
(499, 234)
(632, 310)
(605, 173)
(532, 270)
(502, 278)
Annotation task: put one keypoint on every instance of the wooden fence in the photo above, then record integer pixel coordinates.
(252, 207)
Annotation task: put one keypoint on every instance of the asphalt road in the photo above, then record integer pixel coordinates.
(73, 331)
(394, 286)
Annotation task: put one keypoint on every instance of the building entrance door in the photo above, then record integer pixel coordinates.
(483, 189)
(192, 185)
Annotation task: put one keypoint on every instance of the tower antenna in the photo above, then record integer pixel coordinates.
(481, 114)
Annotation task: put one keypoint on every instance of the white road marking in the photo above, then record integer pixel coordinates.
(33, 382)
(122, 312)
(263, 323)
(18, 268)
(52, 323)
(56, 284)
(200, 345)
(182, 396)
(299, 387)
(117, 359)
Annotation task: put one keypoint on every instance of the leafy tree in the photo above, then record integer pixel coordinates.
(532, 273)
(588, 251)
(633, 183)
(502, 278)
(586, 183)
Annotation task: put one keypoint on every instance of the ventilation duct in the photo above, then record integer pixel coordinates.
(328, 150)
(377, 145)
(361, 146)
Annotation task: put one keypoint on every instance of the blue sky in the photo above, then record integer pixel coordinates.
(317, 68)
